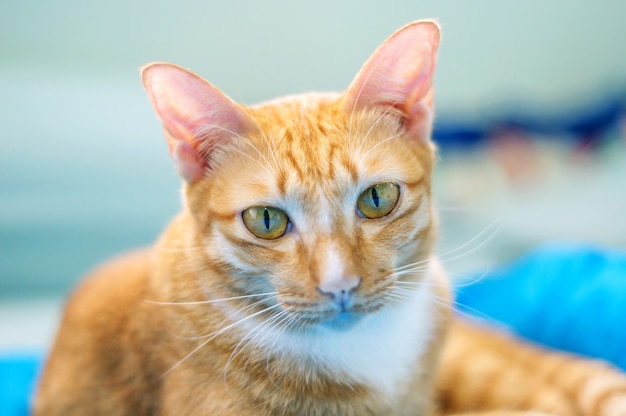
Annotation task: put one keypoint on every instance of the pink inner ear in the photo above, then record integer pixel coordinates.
(400, 74)
(195, 115)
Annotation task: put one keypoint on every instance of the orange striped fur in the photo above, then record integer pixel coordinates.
(342, 313)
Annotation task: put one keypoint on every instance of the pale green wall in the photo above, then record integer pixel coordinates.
(83, 168)
(492, 50)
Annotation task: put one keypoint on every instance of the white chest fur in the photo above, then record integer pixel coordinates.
(381, 351)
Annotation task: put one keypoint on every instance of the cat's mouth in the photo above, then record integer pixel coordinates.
(338, 319)
(323, 312)
(343, 321)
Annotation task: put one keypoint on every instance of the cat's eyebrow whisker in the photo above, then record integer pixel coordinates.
(380, 143)
(206, 128)
(356, 99)
(256, 149)
(271, 148)
(375, 123)
(268, 295)
(214, 335)
(253, 147)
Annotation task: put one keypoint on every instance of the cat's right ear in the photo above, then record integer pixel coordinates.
(196, 116)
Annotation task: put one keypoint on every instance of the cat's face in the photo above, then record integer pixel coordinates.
(320, 201)
(315, 211)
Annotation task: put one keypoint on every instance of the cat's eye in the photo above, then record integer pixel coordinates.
(267, 223)
(378, 200)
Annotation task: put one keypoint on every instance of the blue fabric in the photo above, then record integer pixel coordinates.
(18, 372)
(569, 297)
(565, 296)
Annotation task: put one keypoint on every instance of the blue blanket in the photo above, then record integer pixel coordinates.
(565, 296)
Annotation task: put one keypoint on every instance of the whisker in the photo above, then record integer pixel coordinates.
(281, 324)
(448, 303)
(356, 99)
(495, 224)
(204, 302)
(437, 300)
(465, 279)
(215, 334)
(380, 143)
(250, 337)
(287, 323)
(468, 280)
(374, 124)
(241, 310)
(271, 148)
(450, 255)
(208, 127)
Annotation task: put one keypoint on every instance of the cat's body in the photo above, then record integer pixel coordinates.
(299, 278)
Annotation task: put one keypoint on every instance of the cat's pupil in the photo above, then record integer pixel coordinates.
(266, 219)
(375, 197)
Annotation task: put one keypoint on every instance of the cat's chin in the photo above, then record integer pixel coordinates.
(344, 321)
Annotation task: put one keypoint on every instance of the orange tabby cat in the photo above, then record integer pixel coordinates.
(299, 278)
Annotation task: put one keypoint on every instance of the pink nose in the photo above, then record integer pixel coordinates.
(340, 291)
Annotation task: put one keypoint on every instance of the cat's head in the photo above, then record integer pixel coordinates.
(322, 201)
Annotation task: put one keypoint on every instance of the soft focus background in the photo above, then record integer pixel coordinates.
(531, 123)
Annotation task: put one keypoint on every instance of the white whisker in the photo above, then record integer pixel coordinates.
(204, 302)
(270, 147)
(422, 265)
(495, 224)
(250, 337)
(439, 300)
(206, 128)
(374, 124)
(215, 334)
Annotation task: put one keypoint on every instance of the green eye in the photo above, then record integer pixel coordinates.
(266, 222)
(378, 200)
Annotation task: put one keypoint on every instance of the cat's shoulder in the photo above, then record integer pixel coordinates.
(119, 281)
(99, 342)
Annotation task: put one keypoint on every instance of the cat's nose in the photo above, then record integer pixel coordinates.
(340, 291)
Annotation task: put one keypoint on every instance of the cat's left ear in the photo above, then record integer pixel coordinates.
(399, 77)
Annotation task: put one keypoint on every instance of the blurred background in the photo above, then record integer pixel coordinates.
(531, 123)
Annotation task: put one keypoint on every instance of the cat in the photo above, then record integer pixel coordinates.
(299, 278)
